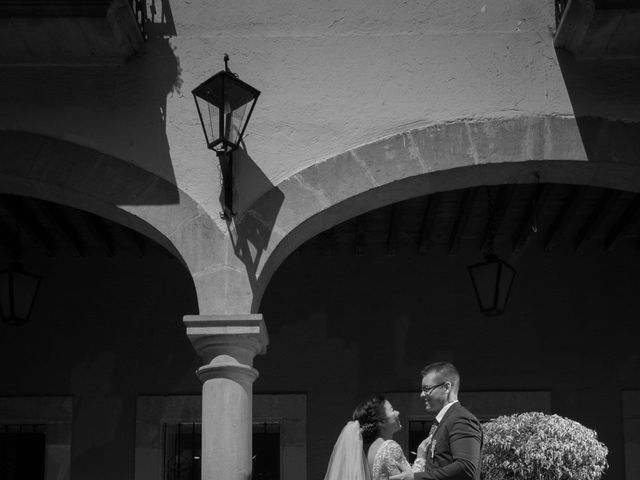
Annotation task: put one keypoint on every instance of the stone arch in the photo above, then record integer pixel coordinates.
(436, 158)
(66, 173)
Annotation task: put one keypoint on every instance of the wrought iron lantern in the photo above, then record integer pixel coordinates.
(492, 281)
(225, 104)
(493, 278)
(18, 291)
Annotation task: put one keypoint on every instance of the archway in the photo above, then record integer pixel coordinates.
(433, 159)
(73, 175)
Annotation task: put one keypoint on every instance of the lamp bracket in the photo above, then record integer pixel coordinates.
(226, 168)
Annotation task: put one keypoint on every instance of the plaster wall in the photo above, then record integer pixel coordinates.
(334, 75)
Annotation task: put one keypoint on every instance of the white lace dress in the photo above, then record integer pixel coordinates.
(389, 460)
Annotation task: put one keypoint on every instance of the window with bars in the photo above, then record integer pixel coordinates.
(183, 450)
(22, 451)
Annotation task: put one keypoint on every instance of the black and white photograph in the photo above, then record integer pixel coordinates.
(320, 240)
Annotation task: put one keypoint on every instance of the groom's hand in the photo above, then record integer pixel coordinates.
(402, 476)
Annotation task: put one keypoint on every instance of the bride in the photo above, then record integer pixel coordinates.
(365, 449)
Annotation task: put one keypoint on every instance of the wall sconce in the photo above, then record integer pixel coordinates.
(493, 278)
(225, 104)
(18, 290)
(492, 281)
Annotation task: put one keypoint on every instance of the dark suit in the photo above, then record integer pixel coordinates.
(458, 443)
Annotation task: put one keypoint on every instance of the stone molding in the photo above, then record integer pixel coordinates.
(242, 374)
(227, 343)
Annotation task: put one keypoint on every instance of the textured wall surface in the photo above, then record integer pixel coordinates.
(334, 75)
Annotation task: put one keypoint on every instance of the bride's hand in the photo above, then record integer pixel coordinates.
(408, 475)
(422, 448)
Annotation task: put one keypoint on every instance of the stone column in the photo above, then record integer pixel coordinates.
(227, 344)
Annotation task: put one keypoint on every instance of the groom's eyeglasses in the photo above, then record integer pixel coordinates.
(429, 390)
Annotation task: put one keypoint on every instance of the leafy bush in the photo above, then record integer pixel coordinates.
(535, 446)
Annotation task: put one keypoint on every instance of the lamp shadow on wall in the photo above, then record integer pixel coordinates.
(604, 96)
(251, 229)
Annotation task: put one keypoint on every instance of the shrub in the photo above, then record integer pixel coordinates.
(535, 446)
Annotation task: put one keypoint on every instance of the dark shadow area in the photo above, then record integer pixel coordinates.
(361, 324)
(124, 104)
(604, 96)
(160, 21)
(250, 230)
(103, 330)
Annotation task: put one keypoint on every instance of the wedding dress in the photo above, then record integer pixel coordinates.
(348, 461)
(389, 460)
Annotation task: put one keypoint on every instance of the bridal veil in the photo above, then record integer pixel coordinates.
(348, 461)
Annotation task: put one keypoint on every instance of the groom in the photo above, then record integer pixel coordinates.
(452, 450)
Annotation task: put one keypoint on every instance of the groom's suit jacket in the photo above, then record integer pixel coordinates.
(455, 449)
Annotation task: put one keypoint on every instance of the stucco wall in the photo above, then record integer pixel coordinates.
(334, 75)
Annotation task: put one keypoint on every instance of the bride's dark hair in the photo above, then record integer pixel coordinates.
(371, 415)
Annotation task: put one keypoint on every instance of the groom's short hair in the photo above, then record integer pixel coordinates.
(446, 372)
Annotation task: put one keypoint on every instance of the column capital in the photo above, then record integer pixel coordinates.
(223, 340)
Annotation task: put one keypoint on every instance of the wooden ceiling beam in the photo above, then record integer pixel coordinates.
(428, 219)
(394, 229)
(494, 218)
(9, 239)
(628, 219)
(57, 218)
(100, 233)
(27, 220)
(529, 223)
(592, 223)
(361, 231)
(138, 240)
(568, 206)
(462, 218)
(326, 242)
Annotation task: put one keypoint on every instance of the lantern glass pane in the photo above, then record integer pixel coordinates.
(485, 280)
(506, 278)
(227, 94)
(210, 118)
(234, 123)
(5, 299)
(25, 287)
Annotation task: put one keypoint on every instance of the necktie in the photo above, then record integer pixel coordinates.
(434, 427)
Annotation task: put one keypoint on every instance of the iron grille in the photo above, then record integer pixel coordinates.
(183, 449)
